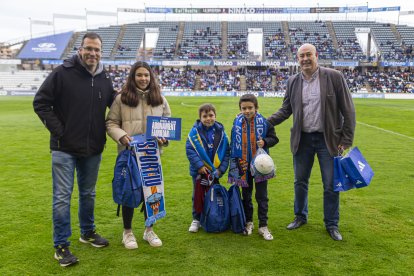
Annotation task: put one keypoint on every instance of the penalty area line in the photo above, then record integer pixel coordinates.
(386, 130)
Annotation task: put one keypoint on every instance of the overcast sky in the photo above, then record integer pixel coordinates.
(15, 14)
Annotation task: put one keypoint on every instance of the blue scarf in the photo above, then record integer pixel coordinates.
(243, 144)
(150, 171)
(197, 143)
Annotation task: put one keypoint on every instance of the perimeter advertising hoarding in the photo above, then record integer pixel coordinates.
(47, 47)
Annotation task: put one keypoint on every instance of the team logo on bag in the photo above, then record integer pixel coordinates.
(361, 166)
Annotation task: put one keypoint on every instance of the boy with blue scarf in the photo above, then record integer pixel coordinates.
(208, 151)
(250, 131)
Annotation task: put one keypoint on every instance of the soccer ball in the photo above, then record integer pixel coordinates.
(264, 164)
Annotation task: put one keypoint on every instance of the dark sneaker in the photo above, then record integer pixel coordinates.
(64, 256)
(94, 239)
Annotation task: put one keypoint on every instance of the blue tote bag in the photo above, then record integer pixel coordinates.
(341, 181)
(357, 168)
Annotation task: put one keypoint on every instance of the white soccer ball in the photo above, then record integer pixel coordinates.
(264, 164)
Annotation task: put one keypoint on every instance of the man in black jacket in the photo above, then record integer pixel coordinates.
(72, 103)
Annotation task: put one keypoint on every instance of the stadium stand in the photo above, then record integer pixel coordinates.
(348, 45)
(274, 40)
(130, 42)
(335, 40)
(201, 40)
(166, 43)
(386, 42)
(109, 37)
(22, 80)
(316, 33)
(407, 40)
(178, 41)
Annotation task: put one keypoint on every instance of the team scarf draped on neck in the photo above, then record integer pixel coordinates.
(195, 140)
(242, 143)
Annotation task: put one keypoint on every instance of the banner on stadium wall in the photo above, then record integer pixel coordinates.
(345, 63)
(159, 10)
(384, 9)
(10, 61)
(183, 63)
(273, 94)
(52, 61)
(222, 94)
(47, 47)
(353, 9)
(174, 63)
(271, 63)
(397, 63)
(406, 12)
(130, 10)
(263, 10)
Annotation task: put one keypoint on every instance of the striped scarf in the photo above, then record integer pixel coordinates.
(243, 143)
(150, 172)
(197, 143)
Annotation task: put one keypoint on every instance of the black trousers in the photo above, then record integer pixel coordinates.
(261, 198)
(128, 214)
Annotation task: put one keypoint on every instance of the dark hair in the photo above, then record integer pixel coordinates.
(129, 95)
(249, 98)
(206, 108)
(91, 35)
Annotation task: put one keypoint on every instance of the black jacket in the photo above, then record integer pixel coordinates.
(72, 104)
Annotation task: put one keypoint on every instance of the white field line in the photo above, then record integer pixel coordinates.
(386, 130)
(184, 104)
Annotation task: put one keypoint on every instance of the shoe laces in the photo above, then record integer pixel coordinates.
(266, 232)
(64, 251)
(129, 237)
(91, 235)
(195, 223)
(151, 235)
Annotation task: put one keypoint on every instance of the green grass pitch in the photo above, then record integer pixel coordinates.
(377, 222)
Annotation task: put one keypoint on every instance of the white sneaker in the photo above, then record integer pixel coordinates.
(249, 228)
(129, 241)
(264, 231)
(194, 226)
(152, 238)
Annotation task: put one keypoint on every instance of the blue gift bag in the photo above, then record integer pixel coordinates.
(341, 182)
(357, 168)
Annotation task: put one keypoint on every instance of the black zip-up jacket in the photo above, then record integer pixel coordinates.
(72, 104)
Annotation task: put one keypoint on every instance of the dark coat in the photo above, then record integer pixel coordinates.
(72, 104)
(337, 108)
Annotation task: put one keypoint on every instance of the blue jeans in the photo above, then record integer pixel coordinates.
(63, 174)
(311, 144)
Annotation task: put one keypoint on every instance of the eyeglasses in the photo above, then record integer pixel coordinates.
(91, 49)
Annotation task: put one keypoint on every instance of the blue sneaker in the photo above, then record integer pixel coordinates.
(94, 239)
(64, 256)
